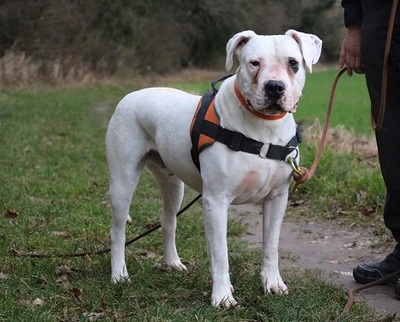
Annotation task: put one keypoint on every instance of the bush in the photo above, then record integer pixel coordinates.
(72, 39)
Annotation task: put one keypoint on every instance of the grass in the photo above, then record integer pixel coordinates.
(351, 106)
(53, 198)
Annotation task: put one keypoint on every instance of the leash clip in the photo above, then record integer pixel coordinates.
(296, 168)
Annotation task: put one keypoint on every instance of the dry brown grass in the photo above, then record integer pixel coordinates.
(342, 140)
(19, 70)
(190, 75)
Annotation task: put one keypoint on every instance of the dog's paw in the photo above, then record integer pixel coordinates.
(120, 276)
(273, 284)
(176, 264)
(222, 297)
(226, 301)
(120, 279)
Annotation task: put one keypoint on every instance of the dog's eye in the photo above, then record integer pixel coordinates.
(294, 64)
(255, 63)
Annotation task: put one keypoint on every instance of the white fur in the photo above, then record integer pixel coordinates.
(151, 127)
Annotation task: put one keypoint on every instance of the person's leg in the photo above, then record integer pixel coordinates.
(388, 140)
(374, 29)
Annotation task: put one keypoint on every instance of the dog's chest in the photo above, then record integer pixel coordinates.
(255, 183)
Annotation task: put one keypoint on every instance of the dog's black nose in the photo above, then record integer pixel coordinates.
(275, 89)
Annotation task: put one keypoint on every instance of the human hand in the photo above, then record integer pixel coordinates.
(350, 53)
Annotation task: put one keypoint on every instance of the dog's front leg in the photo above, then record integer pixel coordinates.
(273, 212)
(216, 222)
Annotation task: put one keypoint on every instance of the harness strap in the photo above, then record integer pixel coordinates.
(205, 130)
(196, 127)
(236, 141)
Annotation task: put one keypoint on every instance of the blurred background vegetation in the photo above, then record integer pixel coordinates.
(58, 41)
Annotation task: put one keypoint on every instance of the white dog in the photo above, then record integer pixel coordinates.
(151, 127)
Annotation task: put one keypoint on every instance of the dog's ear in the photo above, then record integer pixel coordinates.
(310, 46)
(235, 44)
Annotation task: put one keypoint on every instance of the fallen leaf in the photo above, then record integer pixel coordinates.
(147, 254)
(3, 276)
(63, 279)
(188, 265)
(40, 279)
(38, 302)
(11, 213)
(77, 293)
(93, 316)
(63, 269)
(350, 245)
(367, 211)
(297, 203)
(151, 225)
(118, 315)
(60, 233)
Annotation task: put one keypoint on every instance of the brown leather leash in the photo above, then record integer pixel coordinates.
(352, 291)
(301, 174)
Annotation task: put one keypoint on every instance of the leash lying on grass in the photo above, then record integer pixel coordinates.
(16, 253)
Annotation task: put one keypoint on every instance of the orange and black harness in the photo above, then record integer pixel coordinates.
(205, 130)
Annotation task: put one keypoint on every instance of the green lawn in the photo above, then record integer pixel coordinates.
(351, 106)
(53, 198)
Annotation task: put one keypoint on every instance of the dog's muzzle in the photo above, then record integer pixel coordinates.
(274, 89)
(274, 93)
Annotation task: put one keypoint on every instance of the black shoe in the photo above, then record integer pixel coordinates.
(369, 272)
(397, 287)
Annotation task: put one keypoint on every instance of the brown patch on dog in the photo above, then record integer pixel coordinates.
(249, 181)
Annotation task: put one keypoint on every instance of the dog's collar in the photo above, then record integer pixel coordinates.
(246, 104)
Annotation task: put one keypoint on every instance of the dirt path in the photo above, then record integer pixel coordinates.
(326, 247)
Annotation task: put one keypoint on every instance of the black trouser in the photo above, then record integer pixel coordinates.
(373, 37)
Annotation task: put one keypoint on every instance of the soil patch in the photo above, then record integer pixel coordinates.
(325, 246)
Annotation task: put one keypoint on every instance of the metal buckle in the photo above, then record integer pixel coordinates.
(293, 148)
(264, 150)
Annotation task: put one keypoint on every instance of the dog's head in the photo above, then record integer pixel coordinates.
(271, 72)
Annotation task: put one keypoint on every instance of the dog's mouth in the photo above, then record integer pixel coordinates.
(271, 108)
(274, 107)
